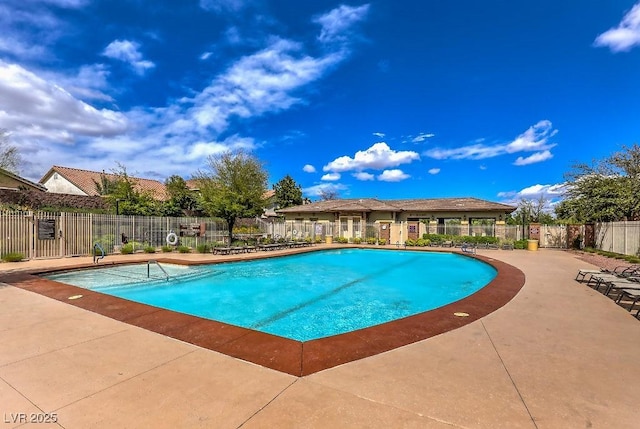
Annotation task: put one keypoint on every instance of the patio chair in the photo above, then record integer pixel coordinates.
(619, 271)
(629, 294)
(468, 248)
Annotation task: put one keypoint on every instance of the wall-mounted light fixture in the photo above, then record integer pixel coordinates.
(464, 217)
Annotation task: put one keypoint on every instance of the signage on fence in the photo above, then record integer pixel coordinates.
(192, 229)
(46, 229)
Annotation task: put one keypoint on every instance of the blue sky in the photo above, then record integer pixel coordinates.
(388, 99)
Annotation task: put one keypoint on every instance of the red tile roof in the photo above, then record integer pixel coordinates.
(86, 181)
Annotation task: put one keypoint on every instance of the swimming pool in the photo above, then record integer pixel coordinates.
(302, 297)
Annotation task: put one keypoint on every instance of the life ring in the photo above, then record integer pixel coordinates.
(294, 232)
(172, 239)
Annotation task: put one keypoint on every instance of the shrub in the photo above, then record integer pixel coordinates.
(342, 240)
(372, 240)
(127, 249)
(184, 249)
(167, 249)
(203, 248)
(422, 242)
(12, 257)
(149, 249)
(318, 240)
(382, 241)
(520, 244)
(357, 240)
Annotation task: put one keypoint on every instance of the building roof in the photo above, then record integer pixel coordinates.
(21, 180)
(86, 181)
(418, 205)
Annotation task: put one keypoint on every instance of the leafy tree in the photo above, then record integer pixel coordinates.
(181, 198)
(106, 186)
(288, 193)
(9, 156)
(605, 191)
(127, 199)
(233, 187)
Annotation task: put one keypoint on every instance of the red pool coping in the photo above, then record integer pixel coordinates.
(282, 354)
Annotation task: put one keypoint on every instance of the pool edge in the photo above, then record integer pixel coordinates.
(278, 353)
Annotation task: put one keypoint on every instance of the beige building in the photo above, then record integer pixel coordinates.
(399, 220)
(74, 181)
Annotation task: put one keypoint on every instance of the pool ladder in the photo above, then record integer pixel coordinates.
(153, 261)
(97, 247)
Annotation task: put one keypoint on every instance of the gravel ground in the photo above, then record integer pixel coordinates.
(601, 261)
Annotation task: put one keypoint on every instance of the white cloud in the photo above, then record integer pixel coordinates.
(331, 177)
(127, 51)
(551, 193)
(380, 135)
(422, 137)
(259, 83)
(337, 23)
(534, 139)
(205, 55)
(361, 175)
(377, 157)
(434, 171)
(625, 36)
(309, 168)
(393, 176)
(536, 157)
(231, 6)
(33, 107)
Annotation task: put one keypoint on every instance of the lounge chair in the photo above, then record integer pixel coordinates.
(620, 271)
(220, 250)
(631, 294)
(468, 248)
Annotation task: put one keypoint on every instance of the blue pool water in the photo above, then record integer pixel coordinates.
(302, 297)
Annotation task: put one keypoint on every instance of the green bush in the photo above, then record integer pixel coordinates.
(357, 240)
(318, 240)
(12, 257)
(342, 240)
(149, 249)
(167, 249)
(372, 240)
(127, 249)
(520, 244)
(203, 248)
(382, 241)
(184, 249)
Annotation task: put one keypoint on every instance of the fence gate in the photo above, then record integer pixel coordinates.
(553, 236)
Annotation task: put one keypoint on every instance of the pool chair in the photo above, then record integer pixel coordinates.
(468, 248)
(618, 285)
(220, 250)
(632, 295)
(619, 271)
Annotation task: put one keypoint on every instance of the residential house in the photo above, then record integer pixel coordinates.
(66, 180)
(399, 220)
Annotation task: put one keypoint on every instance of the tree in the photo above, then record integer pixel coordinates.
(605, 191)
(181, 198)
(233, 187)
(288, 193)
(328, 194)
(106, 185)
(127, 199)
(9, 156)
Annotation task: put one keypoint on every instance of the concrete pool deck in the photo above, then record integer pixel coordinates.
(557, 355)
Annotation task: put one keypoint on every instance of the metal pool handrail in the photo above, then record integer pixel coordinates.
(153, 261)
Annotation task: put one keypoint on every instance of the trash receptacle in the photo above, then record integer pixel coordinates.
(329, 239)
(532, 244)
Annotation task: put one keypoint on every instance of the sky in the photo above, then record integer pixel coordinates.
(382, 99)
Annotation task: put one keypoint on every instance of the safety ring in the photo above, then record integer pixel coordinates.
(295, 232)
(172, 238)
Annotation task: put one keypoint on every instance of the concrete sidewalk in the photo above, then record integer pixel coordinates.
(559, 355)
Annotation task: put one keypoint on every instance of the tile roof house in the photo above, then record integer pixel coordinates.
(9, 180)
(397, 220)
(66, 180)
